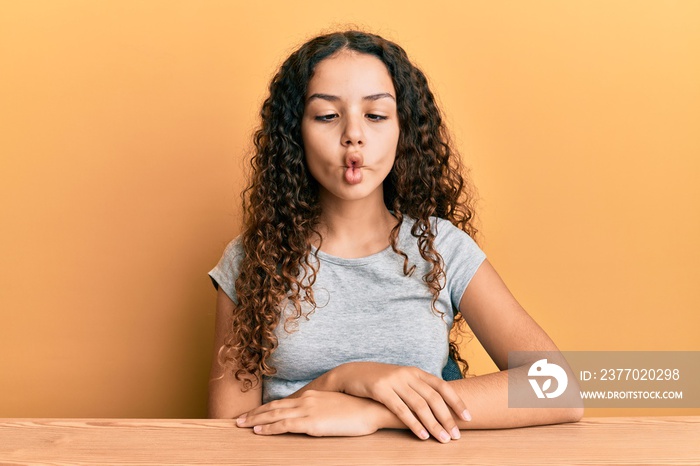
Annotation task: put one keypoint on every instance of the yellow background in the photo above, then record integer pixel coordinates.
(124, 127)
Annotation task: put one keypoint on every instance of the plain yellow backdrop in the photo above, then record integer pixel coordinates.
(124, 127)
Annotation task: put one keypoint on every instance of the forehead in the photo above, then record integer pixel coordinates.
(348, 73)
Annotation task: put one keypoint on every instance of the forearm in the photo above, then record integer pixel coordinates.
(326, 383)
(227, 400)
(486, 397)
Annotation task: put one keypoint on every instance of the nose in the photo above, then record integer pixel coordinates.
(353, 134)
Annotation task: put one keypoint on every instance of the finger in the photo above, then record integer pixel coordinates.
(419, 405)
(397, 406)
(284, 426)
(438, 409)
(277, 404)
(448, 393)
(268, 417)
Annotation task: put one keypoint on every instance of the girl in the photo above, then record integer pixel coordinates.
(336, 302)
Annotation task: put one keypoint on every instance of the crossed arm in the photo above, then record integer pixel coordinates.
(361, 397)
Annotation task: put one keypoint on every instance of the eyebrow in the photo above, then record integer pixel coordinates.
(333, 98)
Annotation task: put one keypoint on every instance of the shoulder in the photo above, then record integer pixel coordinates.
(230, 260)
(234, 249)
(461, 255)
(226, 271)
(233, 254)
(442, 225)
(446, 230)
(451, 240)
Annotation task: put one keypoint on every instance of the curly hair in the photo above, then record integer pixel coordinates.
(281, 209)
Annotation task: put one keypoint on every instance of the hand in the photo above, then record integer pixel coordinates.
(419, 399)
(315, 413)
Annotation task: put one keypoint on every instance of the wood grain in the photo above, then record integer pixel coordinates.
(593, 441)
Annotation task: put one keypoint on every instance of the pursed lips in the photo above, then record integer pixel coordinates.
(353, 160)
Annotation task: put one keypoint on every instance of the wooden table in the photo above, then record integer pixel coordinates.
(650, 440)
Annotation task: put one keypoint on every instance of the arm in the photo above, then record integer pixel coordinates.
(500, 323)
(226, 398)
(325, 413)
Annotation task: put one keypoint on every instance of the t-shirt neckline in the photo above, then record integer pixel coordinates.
(353, 262)
(359, 261)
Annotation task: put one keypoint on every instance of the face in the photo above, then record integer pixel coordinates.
(350, 127)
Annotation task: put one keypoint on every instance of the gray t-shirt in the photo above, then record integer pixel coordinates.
(367, 309)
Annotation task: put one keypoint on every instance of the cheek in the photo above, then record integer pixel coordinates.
(313, 141)
(313, 155)
(392, 141)
(394, 134)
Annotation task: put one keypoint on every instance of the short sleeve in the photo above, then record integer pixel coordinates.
(225, 273)
(462, 257)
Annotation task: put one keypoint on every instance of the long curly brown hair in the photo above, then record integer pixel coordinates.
(281, 209)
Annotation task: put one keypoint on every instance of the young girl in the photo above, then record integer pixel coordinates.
(336, 302)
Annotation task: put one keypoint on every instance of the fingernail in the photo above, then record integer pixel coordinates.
(466, 415)
(424, 434)
(444, 436)
(257, 429)
(241, 419)
(455, 433)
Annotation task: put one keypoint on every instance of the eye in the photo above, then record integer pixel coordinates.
(373, 117)
(328, 117)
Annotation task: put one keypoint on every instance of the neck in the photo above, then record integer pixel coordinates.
(353, 229)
